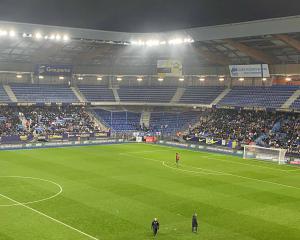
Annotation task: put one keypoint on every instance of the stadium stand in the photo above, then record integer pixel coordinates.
(296, 104)
(120, 121)
(3, 95)
(269, 97)
(43, 93)
(147, 94)
(170, 123)
(96, 93)
(267, 129)
(201, 95)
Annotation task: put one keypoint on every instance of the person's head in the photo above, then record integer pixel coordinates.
(155, 219)
(195, 214)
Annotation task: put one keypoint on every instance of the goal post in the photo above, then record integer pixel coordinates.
(265, 154)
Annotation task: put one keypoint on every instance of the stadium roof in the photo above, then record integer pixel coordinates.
(273, 41)
(236, 30)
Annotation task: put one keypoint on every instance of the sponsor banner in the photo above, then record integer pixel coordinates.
(54, 70)
(59, 144)
(139, 139)
(169, 68)
(151, 139)
(254, 70)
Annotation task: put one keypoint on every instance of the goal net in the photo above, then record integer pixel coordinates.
(266, 154)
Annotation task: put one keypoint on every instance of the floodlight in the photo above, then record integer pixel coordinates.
(221, 79)
(19, 76)
(99, 78)
(264, 79)
(181, 79)
(139, 79)
(202, 79)
(119, 79)
(38, 35)
(41, 77)
(160, 79)
(241, 79)
(288, 79)
(12, 33)
(61, 78)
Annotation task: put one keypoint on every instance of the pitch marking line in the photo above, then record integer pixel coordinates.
(37, 201)
(190, 171)
(47, 216)
(228, 174)
(295, 169)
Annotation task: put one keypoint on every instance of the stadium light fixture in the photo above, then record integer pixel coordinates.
(264, 79)
(3, 33)
(66, 38)
(119, 79)
(99, 78)
(41, 77)
(288, 79)
(57, 37)
(201, 79)
(160, 79)
(12, 33)
(241, 79)
(61, 78)
(181, 79)
(221, 79)
(38, 36)
(19, 76)
(139, 79)
(80, 78)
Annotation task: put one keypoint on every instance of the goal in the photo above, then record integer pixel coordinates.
(266, 154)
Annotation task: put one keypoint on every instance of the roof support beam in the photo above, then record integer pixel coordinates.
(251, 52)
(289, 40)
(213, 58)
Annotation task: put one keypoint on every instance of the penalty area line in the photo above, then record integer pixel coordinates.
(47, 216)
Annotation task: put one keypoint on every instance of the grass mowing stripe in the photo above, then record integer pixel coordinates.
(228, 174)
(47, 216)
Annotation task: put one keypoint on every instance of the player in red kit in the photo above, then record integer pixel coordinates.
(177, 159)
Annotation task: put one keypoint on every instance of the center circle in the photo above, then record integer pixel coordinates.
(59, 190)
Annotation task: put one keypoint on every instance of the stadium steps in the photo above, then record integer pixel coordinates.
(10, 93)
(177, 96)
(78, 94)
(221, 96)
(145, 119)
(291, 100)
(116, 94)
(94, 116)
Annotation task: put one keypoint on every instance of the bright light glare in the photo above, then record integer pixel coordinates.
(160, 79)
(99, 78)
(139, 79)
(12, 33)
(241, 79)
(202, 79)
(66, 38)
(264, 79)
(221, 79)
(181, 79)
(41, 77)
(3, 33)
(61, 78)
(19, 76)
(119, 79)
(38, 36)
(157, 42)
(288, 79)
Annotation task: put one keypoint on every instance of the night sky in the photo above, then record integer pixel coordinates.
(141, 15)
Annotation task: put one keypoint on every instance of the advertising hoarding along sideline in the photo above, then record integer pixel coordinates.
(254, 71)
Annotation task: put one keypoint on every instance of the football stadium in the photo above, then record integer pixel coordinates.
(182, 134)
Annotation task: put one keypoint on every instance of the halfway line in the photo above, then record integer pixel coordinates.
(51, 218)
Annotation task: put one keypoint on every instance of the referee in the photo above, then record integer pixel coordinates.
(155, 226)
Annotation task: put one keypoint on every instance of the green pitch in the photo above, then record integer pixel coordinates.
(113, 192)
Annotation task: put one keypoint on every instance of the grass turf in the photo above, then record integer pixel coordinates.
(114, 191)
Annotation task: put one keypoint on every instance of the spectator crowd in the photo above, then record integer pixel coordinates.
(267, 129)
(19, 120)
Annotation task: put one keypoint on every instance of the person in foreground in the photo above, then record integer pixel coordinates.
(194, 223)
(155, 226)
